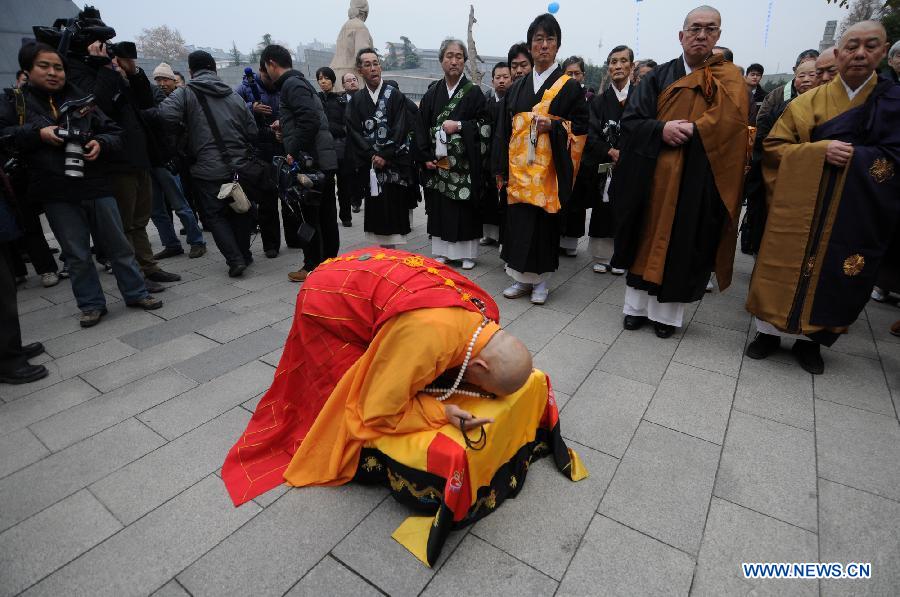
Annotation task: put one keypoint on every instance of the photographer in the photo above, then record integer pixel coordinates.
(305, 130)
(336, 109)
(66, 143)
(211, 169)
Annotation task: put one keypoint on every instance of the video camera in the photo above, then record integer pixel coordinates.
(73, 36)
(299, 187)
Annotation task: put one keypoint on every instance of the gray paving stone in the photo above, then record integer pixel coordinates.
(93, 357)
(859, 527)
(517, 524)
(228, 357)
(330, 577)
(880, 317)
(479, 568)
(777, 391)
(600, 322)
(147, 554)
(11, 393)
(270, 497)
(605, 412)
(614, 293)
(141, 486)
(274, 550)
(93, 416)
(854, 381)
(723, 310)
(30, 490)
(568, 360)
(857, 341)
(616, 560)
(206, 402)
(371, 552)
(235, 327)
(119, 322)
(511, 310)
(283, 291)
(663, 485)
(42, 330)
(33, 304)
(573, 297)
(735, 535)
(693, 401)
(18, 450)
(43, 403)
(165, 331)
(639, 355)
(51, 539)
(537, 326)
(858, 448)
(171, 588)
(712, 348)
(273, 357)
(143, 363)
(181, 306)
(771, 468)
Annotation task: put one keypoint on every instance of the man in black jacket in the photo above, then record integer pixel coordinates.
(121, 90)
(77, 198)
(305, 130)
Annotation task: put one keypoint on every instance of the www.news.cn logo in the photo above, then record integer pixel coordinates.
(807, 570)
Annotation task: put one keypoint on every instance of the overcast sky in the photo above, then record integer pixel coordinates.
(795, 24)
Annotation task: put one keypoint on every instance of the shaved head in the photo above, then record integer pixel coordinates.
(861, 48)
(703, 11)
(503, 365)
(863, 31)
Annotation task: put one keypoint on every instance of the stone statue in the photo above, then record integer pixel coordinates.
(354, 36)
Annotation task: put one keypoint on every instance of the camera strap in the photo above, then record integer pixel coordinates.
(214, 128)
(20, 105)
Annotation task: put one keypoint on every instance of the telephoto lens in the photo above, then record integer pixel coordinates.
(73, 154)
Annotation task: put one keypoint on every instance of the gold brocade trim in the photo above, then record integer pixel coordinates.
(882, 170)
(371, 464)
(513, 482)
(490, 500)
(854, 265)
(398, 483)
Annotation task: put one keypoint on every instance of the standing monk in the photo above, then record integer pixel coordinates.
(452, 135)
(679, 179)
(541, 132)
(829, 165)
(377, 134)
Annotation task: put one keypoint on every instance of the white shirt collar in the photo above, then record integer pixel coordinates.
(621, 95)
(374, 94)
(540, 79)
(497, 98)
(852, 93)
(687, 69)
(452, 90)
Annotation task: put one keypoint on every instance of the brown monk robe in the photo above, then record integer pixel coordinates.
(678, 184)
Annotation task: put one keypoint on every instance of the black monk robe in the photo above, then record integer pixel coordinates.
(606, 113)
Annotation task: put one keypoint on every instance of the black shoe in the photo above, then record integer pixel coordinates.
(634, 322)
(152, 286)
(24, 374)
(663, 330)
(32, 350)
(809, 356)
(236, 270)
(183, 232)
(347, 224)
(169, 252)
(763, 346)
(356, 209)
(161, 276)
(272, 253)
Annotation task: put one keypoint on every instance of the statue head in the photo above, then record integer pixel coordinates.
(359, 9)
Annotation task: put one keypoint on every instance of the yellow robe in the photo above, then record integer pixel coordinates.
(379, 395)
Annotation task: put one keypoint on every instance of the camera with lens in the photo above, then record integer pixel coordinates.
(73, 36)
(75, 130)
(299, 185)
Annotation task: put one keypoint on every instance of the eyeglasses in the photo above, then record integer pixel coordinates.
(540, 39)
(709, 31)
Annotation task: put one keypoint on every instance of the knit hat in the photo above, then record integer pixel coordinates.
(199, 60)
(163, 71)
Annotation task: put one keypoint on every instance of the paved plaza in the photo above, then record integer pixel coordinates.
(700, 458)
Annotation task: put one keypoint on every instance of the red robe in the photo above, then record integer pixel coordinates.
(340, 308)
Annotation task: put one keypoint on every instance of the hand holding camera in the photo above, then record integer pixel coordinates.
(48, 135)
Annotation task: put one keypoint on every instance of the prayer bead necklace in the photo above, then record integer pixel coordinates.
(454, 389)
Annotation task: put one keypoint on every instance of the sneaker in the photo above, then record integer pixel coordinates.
(298, 276)
(616, 271)
(539, 294)
(440, 259)
(49, 279)
(91, 318)
(197, 251)
(148, 303)
(710, 286)
(600, 268)
(809, 355)
(517, 290)
(878, 295)
(169, 252)
(763, 346)
(236, 270)
(163, 276)
(468, 264)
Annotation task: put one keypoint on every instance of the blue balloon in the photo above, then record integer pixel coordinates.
(553, 7)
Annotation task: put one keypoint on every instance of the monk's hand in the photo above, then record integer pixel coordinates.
(432, 165)
(543, 124)
(838, 153)
(614, 155)
(451, 126)
(378, 161)
(677, 132)
(456, 415)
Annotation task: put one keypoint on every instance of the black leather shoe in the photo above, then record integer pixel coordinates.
(809, 355)
(763, 346)
(24, 374)
(347, 224)
(169, 252)
(634, 322)
(32, 350)
(356, 209)
(663, 330)
(236, 270)
(152, 286)
(272, 253)
(161, 276)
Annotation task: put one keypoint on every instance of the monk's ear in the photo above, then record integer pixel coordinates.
(480, 362)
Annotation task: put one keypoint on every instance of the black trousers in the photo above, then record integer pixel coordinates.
(269, 224)
(11, 357)
(33, 243)
(326, 242)
(349, 189)
(230, 230)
